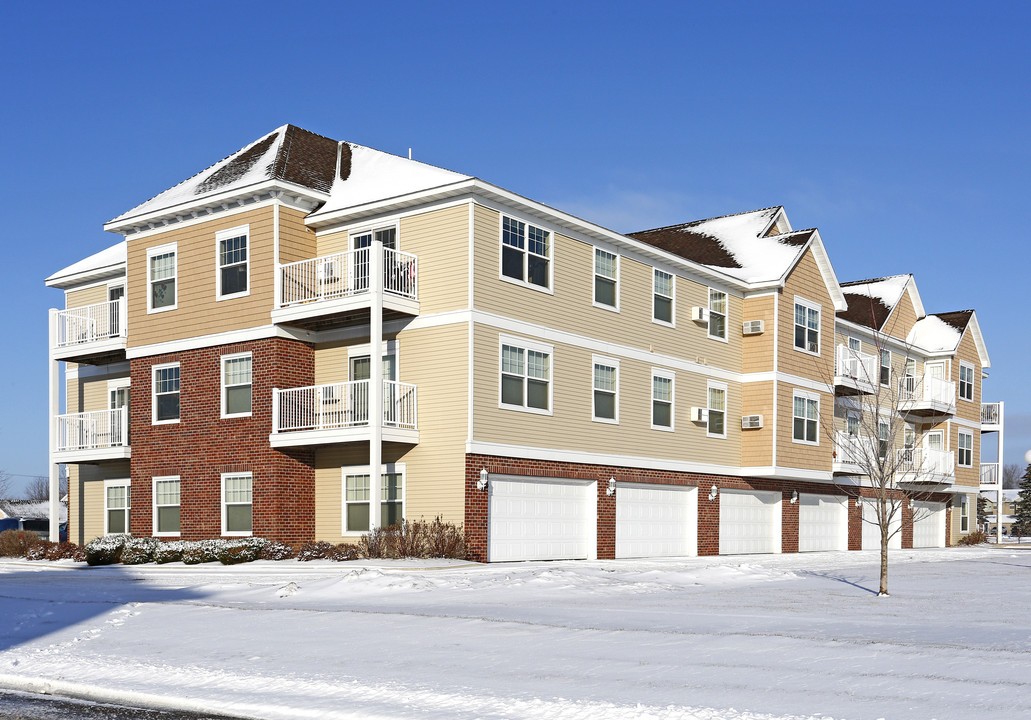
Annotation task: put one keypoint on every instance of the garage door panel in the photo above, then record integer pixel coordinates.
(539, 520)
(928, 524)
(822, 523)
(872, 532)
(656, 521)
(749, 522)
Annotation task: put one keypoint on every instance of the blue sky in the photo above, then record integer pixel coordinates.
(899, 129)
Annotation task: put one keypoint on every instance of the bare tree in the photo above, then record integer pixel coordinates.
(1011, 474)
(5, 484)
(38, 488)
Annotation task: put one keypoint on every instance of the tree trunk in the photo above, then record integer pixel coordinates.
(884, 565)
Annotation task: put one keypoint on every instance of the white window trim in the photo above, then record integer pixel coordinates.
(364, 230)
(726, 317)
(973, 377)
(526, 251)
(714, 385)
(154, 505)
(881, 366)
(964, 514)
(808, 396)
(386, 468)
(536, 347)
(221, 235)
(391, 348)
(161, 250)
(608, 362)
(819, 330)
(127, 484)
(222, 386)
(224, 504)
(672, 376)
(594, 274)
(959, 447)
(154, 394)
(672, 298)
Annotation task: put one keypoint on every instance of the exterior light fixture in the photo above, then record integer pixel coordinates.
(481, 484)
(612, 487)
(859, 501)
(794, 497)
(713, 491)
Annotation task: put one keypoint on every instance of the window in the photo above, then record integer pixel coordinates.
(606, 390)
(161, 278)
(965, 455)
(964, 513)
(910, 367)
(807, 326)
(166, 506)
(233, 268)
(852, 423)
(357, 500)
(662, 399)
(525, 252)
(886, 367)
(606, 279)
(662, 303)
(387, 236)
(117, 499)
(883, 436)
(805, 418)
(717, 423)
(526, 376)
(237, 496)
(236, 385)
(717, 314)
(966, 381)
(165, 405)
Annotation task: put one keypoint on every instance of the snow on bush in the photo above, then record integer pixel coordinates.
(169, 552)
(275, 550)
(344, 552)
(105, 550)
(138, 551)
(314, 551)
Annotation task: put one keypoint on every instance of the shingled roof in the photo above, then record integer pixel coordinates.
(871, 301)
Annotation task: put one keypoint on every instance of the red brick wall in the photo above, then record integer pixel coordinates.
(202, 445)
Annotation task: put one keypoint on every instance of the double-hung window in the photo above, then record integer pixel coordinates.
(717, 403)
(966, 381)
(606, 390)
(606, 279)
(232, 277)
(964, 514)
(886, 368)
(805, 418)
(717, 314)
(662, 399)
(965, 454)
(165, 402)
(166, 506)
(525, 253)
(237, 503)
(161, 278)
(883, 438)
(236, 385)
(117, 500)
(525, 375)
(357, 513)
(807, 326)
(663, 289)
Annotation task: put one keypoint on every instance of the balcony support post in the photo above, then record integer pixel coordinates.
(998, 499)
(54, 371)
(375, 379)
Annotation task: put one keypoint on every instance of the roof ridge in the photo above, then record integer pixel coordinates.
(873, 280)
(718, 217)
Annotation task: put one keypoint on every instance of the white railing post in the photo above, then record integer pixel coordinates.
(375, 280)
(275, 410)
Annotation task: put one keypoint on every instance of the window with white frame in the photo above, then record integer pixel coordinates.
(966, 381)
(233, 274)
(236, 385)
(237, 503)
(606, 279)
(662, 399)
(165, 404)
(964, 513)
(805, 418)
(807, 326)
(717, 403)
(852, 423)
(117, 502)
(886, 367)
(606, 390)
(663, 289)
(525, 252)
(166, 506)
(161, 278)
(357, 503)
(717, 314)
(883, 438)
(965, 453)
(525, 376)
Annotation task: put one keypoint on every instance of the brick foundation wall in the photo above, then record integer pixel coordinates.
(202, 445)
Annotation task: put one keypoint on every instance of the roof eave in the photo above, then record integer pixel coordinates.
(65, 281)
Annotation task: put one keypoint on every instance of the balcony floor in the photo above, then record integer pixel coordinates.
(342, 312)
(328, 436)
(93, 455)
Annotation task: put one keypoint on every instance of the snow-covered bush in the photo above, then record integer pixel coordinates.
(344, 552)
(275, 550)
(15, 543)
(169, 552)
(138, 551)
(232, 552)
(314, 551)
(39, 550)
(65, 551)
(105, 550)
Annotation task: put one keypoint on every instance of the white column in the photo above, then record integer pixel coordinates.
(375, 379)
(54, 370)
(1002, 464)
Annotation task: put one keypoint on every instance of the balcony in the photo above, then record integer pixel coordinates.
(853, 453)
(89, 437)
(339, 413)
(923, 465)
(990, 475)
(333, 290)
(93, 334)
(855, 372)
(927, 395)
(991, 417)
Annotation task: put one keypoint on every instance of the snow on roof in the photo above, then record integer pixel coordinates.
(108, 259)
(34, 510)
(934, 335)
(888, 290)
(376, 175)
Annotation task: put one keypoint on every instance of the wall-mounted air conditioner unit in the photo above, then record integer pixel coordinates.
(700, 314)
(751, 422)
(699, 414)
(753, 327)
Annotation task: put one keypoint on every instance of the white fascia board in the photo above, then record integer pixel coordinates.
(914, 297)
(66, 282)
(260, 332)
(319, 220)
(974, 328)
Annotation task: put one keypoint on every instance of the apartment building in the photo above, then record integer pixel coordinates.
(563, 390)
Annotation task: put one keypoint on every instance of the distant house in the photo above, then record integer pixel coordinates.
(34, 516)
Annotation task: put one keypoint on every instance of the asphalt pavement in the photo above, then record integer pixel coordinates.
(23, 706)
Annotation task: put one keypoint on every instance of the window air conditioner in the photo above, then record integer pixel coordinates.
(753, 327)
(700, 314)
(699, 414)
(751, 422)
(812, 347)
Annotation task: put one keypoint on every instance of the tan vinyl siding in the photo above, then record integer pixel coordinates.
(198, 312)
(758, 350)
(90, 393)
(757, 445)
(800, 455)
(966, 475)
(87, 296)
(901, 319)
(967, 352)
(806, 281)
(440, 239)
(86, 498)
(296, 242)
(332, 364)
(571, 426)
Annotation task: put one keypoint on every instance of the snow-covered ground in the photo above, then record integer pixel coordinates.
(790, 636)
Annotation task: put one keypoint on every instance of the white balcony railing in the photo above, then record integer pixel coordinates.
(341, 405)
(990, 413)
(927, 389)
(854, 449)
(344, 274)
(989, 474)
(926, 464)
(856, 365)
(91, 323)
(94, 430)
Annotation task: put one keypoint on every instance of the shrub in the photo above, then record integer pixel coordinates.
(445, 540)
(344, 552)
(138, 551)
(169, 552)
(410, 539)
(314, 551)
(105, 550)
(15, 543)
(65, 551)
(380, 543)
(975, 538)
(233, 554)
(38, 551)
(275, 550)
(193, 554)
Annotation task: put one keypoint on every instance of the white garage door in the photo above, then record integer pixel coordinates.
(822, 523)
(928, 524)
(656, 521)
(749, 521)
(540, 519)
(872, 532)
